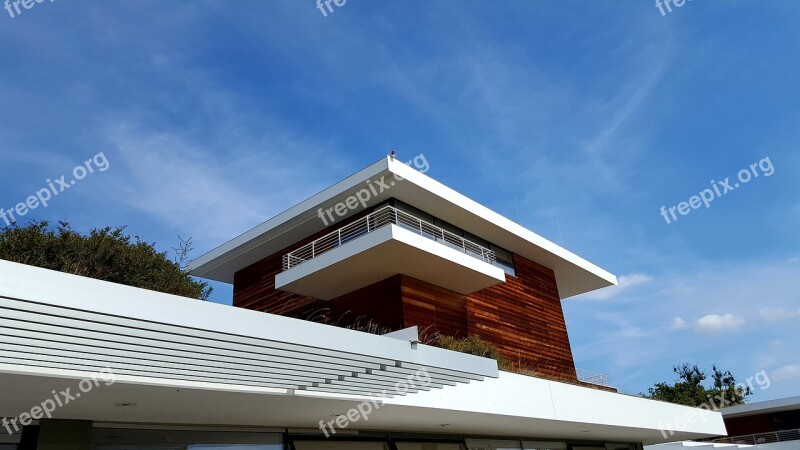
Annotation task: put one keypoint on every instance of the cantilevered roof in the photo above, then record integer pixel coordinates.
(770, 406)
(184, 362)
(51, 320)
(574, 274)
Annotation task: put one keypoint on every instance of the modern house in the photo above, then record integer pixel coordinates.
(764, 424)
(388, 247)
(768, 425)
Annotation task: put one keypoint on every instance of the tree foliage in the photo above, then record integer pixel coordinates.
(105, 253)
(688, 388)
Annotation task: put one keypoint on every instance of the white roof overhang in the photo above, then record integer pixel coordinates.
(180, 361)
(574, 274)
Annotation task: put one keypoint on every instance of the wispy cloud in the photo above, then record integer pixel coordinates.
(679, 324)
(626, 283)
(182, 182)
(778, 314)
(787, 372)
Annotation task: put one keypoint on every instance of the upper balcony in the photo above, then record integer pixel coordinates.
(387, 242)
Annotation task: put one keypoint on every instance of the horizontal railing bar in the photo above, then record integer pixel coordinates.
(762, 438)
(375, 220)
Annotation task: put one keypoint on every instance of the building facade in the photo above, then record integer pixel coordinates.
(388, 250)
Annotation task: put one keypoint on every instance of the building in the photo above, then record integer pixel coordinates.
(768, 425)
(389, 247)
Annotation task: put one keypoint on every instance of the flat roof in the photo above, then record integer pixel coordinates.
(770, 406)
(574, 274)
(182, 361)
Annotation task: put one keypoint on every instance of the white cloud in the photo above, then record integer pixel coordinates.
(778, 314)
(714, 323)
(626, 282)
(794, 260)
(678, 323)
(786, 372)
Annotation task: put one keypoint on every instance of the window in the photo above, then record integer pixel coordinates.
(429, 446)
(491, 444)
(339, 445)
(139, 439)
(504, 260)
(544, 445)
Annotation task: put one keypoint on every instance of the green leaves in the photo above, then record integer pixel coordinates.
(688, 389)
(105, 253)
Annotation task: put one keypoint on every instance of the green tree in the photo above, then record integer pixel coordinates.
(105, 253)
(688, 388)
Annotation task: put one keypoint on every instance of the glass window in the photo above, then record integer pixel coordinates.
(429, 446)
(340, 445)
(137, 439)
(475, 239)
(505, 260)
(491, 444)
(414, 211)
(543, 445)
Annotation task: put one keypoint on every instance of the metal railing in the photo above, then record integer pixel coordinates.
(761, 438)
(590, 377)
(378, 219)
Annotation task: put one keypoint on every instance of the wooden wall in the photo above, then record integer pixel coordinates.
(254, 286)
(522, 317)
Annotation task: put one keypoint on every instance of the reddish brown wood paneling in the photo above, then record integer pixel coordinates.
(522, 317)
(762, 423)
(379, 302)
(433, 309)
(254, 286)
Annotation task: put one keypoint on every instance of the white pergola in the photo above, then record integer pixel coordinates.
(51, 320)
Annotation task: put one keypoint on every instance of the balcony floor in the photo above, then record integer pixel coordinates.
(388, 251)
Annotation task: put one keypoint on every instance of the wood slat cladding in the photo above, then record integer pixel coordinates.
(379, 302)
(254, 286)
(522, 317)
(432, 308)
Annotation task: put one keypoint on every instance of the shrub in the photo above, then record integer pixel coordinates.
(474, 346)
(106, 254)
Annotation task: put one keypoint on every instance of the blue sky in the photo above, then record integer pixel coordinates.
(591, 116)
